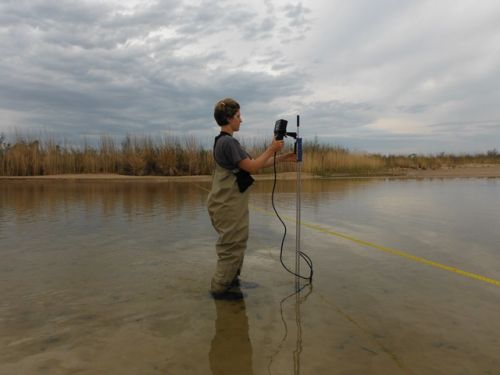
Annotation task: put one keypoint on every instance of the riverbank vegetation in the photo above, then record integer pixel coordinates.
(174, 156)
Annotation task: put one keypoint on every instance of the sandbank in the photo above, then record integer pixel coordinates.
(467, 171)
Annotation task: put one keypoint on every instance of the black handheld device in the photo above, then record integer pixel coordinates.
(280, 129)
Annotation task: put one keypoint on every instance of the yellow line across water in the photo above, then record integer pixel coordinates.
(400, 253)
(390, 251)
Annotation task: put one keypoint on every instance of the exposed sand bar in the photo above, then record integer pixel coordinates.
(483, 171)
(469, 171)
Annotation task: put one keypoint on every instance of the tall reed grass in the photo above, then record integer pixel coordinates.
(135, 155)
(326, 160)
(174, 156)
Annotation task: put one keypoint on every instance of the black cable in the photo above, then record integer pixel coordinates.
(303, 255)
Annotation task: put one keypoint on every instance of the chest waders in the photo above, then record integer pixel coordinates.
(228, 211)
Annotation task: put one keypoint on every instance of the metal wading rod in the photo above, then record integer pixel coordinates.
(298, 347)
(297, 218)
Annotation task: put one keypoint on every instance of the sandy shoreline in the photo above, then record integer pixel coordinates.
(470, 171)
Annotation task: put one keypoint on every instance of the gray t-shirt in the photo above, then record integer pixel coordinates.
(228, 152)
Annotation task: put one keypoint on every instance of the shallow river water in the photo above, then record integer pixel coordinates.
(112, 278)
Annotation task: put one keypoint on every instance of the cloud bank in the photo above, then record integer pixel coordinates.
(381, 76)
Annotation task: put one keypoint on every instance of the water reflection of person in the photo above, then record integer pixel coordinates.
(228, 199)
(231, 349)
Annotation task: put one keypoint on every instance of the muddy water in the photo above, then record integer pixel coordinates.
(112, 278)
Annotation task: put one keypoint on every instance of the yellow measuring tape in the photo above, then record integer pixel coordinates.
(400, 253)
(391, 251)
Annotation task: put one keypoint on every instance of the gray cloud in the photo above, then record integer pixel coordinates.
(353, 70)
(87, 69)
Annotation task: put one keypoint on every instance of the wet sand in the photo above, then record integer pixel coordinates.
(468, 171)
(472, 171)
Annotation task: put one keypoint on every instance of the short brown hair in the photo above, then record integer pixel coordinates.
(224, 110)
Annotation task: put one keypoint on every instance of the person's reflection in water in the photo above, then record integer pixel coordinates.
(231, 350)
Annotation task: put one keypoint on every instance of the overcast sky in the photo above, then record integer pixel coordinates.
(389, 76)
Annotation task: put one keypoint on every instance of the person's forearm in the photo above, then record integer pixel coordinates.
(262, 161)
(270, 161)
(253, 165)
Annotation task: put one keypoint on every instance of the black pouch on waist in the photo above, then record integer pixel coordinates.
(244, 180)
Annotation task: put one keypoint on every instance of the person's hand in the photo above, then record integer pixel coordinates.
(276, 145)
(290, 157)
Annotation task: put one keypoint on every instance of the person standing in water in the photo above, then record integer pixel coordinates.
(228, 199)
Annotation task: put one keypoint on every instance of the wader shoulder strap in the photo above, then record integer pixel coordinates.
(221, 134)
